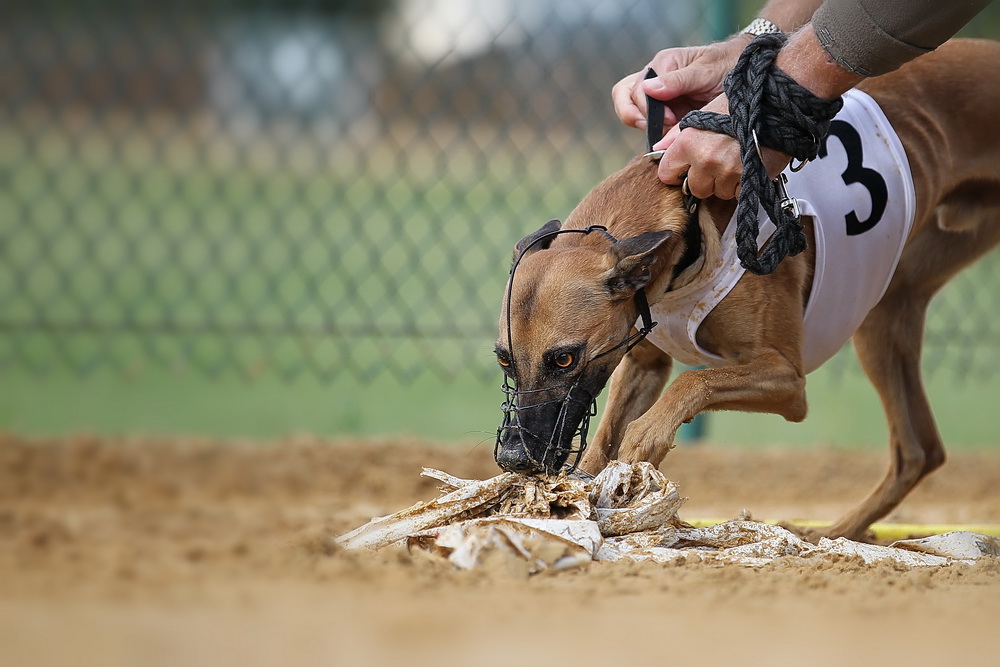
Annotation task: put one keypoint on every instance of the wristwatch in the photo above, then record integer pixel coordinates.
(759, 27)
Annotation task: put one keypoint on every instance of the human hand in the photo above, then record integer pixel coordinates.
(688, 77)
(709, 160)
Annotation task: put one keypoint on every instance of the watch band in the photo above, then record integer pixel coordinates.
(759, 27)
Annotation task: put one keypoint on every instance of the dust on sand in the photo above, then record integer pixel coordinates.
(190, 552)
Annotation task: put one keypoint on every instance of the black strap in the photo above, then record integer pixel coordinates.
(647, 318)
(692, 231)
(654, 116)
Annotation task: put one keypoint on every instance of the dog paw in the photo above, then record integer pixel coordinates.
(594, 461)
(646, 442)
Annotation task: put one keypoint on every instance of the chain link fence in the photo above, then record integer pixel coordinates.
(316, 188)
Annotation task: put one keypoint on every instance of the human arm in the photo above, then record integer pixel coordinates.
(689, 77)
(711, 161)
(828, 57)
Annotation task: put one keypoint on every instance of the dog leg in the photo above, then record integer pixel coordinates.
(635, 385)
(769, 383)
(766, 374)
(889, 347)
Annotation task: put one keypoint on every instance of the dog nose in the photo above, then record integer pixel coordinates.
(513, 458)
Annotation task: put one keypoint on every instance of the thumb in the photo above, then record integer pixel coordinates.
(669, 85)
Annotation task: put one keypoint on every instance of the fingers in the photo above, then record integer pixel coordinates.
(669, 138)
(668, 88)
(694, 72)
(630, 107)
(687, 78)
(691, 78)
(710, 161)
(674, 165)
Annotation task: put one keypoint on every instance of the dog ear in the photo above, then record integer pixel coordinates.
(527, 241)
(633, 258)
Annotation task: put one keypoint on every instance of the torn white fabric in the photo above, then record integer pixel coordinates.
(629, 511)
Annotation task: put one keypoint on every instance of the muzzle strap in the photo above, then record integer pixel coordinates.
(642, 305)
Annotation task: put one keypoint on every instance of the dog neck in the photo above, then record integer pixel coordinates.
(703, 231)
(633, 201)
(692, 236)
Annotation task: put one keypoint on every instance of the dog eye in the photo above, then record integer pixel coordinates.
(564, 360)
(503, 361)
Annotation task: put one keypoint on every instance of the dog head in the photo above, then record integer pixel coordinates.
(570, 308)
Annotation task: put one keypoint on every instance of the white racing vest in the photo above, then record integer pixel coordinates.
(860, 195)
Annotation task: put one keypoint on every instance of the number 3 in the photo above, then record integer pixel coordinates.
(856, 172)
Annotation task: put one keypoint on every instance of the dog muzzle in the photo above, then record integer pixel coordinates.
(542, 429)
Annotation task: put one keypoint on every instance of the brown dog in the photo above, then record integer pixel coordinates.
(572, 298)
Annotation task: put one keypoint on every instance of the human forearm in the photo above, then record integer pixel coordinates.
(804, 59)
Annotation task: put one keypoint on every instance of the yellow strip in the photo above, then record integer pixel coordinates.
(883, 531)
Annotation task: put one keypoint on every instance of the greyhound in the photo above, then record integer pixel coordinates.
(578, 292)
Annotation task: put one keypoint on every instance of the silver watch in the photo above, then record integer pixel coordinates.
(759, 27)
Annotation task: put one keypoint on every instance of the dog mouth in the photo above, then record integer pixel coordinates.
(543, 429)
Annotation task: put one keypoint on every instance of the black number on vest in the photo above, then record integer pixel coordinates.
(856, 172)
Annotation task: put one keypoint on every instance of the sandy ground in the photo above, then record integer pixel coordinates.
(193, 552)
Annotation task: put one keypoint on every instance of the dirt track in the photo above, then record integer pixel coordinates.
(193, 552)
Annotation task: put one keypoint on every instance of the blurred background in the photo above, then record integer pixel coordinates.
(255, 218)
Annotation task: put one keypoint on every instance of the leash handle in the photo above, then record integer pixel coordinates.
(654, 115)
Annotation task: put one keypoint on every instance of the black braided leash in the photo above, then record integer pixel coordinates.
(767, 108)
